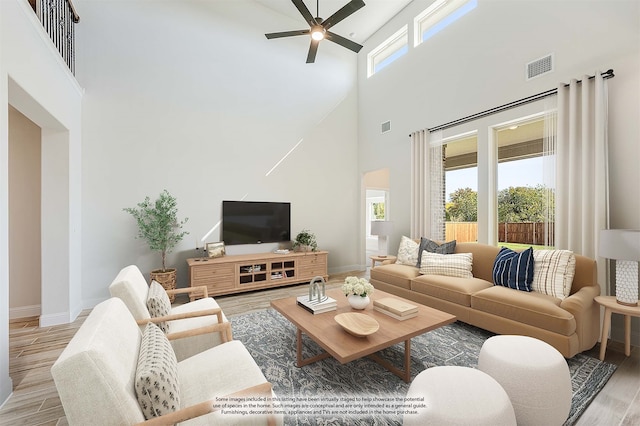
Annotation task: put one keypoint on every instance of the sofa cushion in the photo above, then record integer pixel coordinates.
(158, 304)
(483, 258)
(395, 274)
(553, 272)
(407, 252)
(433, 247)
(455, 290)
(450, 265)
(535, 309)
(514, 270)
(156, 379)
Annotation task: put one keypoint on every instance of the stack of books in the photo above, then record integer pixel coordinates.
(314, 306)
(395, 308)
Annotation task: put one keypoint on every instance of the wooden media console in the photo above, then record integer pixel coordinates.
(246, 272)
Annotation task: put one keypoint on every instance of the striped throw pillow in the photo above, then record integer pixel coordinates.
(514, 270)
(451, 265)
(553, 272)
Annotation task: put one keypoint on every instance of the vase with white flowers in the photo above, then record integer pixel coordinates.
(357, 291)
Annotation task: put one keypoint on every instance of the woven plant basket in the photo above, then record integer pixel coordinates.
(166, 279)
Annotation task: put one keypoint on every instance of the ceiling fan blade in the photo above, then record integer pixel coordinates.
(302, 8)
(313, 49)
(287, 34)
(344, 42)
(344, 12)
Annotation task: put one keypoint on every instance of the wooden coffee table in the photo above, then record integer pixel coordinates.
(325, 331)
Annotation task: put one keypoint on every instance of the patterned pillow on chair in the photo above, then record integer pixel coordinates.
(158, 304)
(156, 380)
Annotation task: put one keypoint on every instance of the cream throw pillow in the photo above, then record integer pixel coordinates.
(553, 272)
(451, 265)
(407, 252)
(156, 379)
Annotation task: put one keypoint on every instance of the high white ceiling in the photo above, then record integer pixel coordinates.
(357, 27)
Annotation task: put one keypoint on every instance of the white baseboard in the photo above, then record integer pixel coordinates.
(348, 268)
(24, 312)
(55, 319)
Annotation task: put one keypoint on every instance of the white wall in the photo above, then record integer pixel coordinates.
(35, 80)
(478, 63)
(24, 216)
(190, 96)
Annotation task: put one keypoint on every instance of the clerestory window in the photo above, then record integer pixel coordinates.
(440, 14)
(388, 51)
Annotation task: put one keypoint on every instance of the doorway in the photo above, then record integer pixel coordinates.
(25, 192)
(377, 208)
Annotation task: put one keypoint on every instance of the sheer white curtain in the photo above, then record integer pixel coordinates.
(549, 167)
(427, 185)
(582, 200)
(420, 183)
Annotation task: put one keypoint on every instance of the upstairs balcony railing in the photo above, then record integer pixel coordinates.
(58, 18)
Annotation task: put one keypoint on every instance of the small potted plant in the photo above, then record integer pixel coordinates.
(305, 241)
(158, 224)
(357, 291)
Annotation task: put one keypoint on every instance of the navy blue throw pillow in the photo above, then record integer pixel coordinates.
(514, 270)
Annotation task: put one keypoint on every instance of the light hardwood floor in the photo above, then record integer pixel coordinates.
(33, 350)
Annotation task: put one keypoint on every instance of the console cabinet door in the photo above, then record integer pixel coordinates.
(311, 265)
(219, 278)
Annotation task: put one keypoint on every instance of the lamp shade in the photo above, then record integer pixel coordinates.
(381, 227)
(620, 244)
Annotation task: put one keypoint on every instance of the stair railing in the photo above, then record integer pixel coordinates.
(58, 18)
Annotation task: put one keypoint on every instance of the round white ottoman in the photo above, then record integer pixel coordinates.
(534, 374)
(457, 396)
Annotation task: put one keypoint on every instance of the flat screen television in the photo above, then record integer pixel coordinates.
(255, 222)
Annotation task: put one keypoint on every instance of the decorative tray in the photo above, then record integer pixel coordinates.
(359, 325)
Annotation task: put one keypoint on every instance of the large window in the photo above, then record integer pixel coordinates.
(496, 182)
(525, 185)
(388, 51)
(461, 188)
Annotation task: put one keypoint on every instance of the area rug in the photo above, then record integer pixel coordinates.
(364, 393)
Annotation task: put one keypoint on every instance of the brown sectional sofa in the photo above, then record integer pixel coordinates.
(571, 325)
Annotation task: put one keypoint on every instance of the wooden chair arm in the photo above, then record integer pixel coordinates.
(184, 315)
(198, 289)
(223, 328)
(209, 406)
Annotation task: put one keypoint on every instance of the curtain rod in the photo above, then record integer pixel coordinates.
(607, 74)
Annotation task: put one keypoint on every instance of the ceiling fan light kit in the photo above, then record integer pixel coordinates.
(319, 28)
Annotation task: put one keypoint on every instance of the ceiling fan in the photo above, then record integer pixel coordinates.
(319, 28)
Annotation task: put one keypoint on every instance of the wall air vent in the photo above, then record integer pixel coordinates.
(539, 67)
(386, 127)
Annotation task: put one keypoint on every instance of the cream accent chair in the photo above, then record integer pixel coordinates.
(131, 286)
(95, 376)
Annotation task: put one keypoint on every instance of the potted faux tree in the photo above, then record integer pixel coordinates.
(158, 224)
(305, 241)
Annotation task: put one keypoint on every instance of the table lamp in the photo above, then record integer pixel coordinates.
(623, 246)
(381, 228)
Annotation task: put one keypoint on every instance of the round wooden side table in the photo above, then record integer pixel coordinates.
(611, 306)
(381, 259)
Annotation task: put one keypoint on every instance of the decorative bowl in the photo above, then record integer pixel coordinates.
(359, 325)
